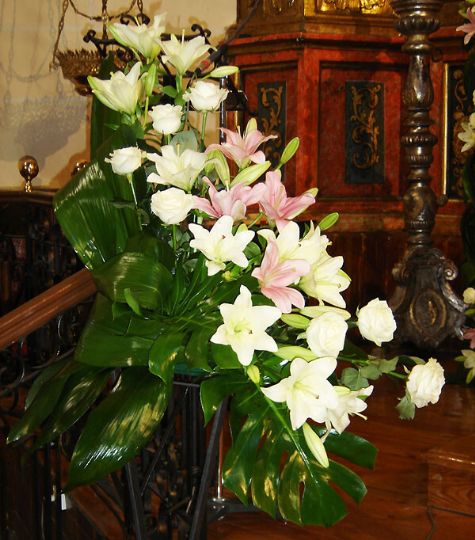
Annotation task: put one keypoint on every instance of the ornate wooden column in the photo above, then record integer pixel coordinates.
(426, 308)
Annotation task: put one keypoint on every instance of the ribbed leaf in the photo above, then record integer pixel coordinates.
(148, 280)
(163, 355)
(106, 341)
(44, 401)
(95, 227)
(274, 463)
(121, 425)
(80, 393)
(197, 350)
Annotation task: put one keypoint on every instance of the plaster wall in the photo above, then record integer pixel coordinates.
(40, 114)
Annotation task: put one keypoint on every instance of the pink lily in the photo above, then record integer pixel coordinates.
(468, 28)
(232, 202)
(470, 334)
(241, 149)
(274, 276)
(277, 206)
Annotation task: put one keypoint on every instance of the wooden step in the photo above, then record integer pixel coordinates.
(451, 482)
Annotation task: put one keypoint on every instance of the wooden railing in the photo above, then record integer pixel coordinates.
(33, 314)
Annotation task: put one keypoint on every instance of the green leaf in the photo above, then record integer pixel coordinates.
(406, 409)
(96, 228)
(351, 447)
(353, 379)
(163, 356)
(186, 140)
(44, 401)
(80, 393)
(272, 462)
(225, 357)
(148, 280)
(119, 427)
(371, 371)
(170, 91)
(198, 350)
(105, 342)
(44, 377)
(386, 366)
(215, 389)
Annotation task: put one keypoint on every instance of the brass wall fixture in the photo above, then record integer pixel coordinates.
(426, 308)
(77, 65)
(28, 167)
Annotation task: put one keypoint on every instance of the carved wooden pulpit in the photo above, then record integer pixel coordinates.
(333, 72)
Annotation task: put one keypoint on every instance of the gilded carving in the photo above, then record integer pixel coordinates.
(361, 6)
(271, 111)
(458, 108)
(365, 133)
(280, 6)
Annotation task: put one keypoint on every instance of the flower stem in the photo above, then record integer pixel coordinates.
(203, 126)
(174, 238)
(145, 113)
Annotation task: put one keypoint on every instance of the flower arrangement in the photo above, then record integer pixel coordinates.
(201, 265)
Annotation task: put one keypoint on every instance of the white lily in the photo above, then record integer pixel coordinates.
(219, 245)
(142, 38)
(183, 54)
(121, 92)
(307, 391)
(175, 168)
(349, 402)
(244, 328)
(326, 280)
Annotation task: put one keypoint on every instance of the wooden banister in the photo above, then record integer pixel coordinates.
(33, 314)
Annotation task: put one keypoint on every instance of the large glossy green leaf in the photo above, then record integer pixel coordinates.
(198, 349)
(106, 341)
(79, 394)
(163, 355)
(46, 395)
(96, 227)
(273, 463)
(119, 427)
(215, 389)
(148, 280)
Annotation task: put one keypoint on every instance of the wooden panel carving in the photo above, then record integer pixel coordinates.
(359, 113)
(458, 108)
(271, 109)
(364, 132)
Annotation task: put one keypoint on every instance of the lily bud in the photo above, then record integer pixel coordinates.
(254, 374)
(315, 445)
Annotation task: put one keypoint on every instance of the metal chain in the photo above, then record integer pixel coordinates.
(54, 62)
(99, 17)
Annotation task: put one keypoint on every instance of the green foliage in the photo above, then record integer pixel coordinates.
(406, 408)
(116, 429)
(299, 488)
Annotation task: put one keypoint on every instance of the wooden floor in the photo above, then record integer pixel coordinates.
(396, 506)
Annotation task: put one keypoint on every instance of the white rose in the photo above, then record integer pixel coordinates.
(206, 96)
(166, 118)
(376, 321)
(125, 160)
(171, 205)
(469, 295)
(425, 383)
(326, 334)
